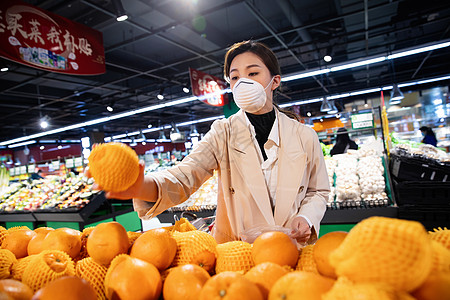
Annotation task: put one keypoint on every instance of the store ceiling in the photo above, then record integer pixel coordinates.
(154, 48)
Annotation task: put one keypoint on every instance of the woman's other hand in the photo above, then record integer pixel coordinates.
(300, 230)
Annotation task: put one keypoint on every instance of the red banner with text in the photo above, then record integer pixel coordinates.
(44, 40)
(208, 88)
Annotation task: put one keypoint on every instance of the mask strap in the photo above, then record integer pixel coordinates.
(269, 83)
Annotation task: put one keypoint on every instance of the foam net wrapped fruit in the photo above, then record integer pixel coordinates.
(114, 166)
(234, 256)
(390, 251)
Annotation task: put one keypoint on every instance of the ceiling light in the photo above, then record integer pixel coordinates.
(109, 108)
(325, 107)
(327, 58)
(321, 120)
(160, 97)
(60, 147)
(333, 109)
(44, 124)
(149, 126)
(396, 95)
(120, 11)
(144, 143)
(338, 116)
(4, 69)
(308, 114)
(186, 90)
(42, 147)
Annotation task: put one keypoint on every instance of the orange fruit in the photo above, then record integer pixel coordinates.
(68, 288)
(16, 289)
(436, 286)
(7, 261)
(114, 166)
(132, 278)
(230, 285)
(322, 249)
(19, 267)
(64, 239)
(94, 273)
(46, 267)
(441, 235)
(17, 242)
(371, 251)
(3, 234)
(300, 285)
(106, 241)
(35, 244)
(195, 247)
(276, 247)
(306, 260)
(156, 246)
(265, 275)
(235, 256)
(185, 282)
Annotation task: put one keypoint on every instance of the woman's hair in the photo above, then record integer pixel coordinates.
(427, 130)
(342, 137)
(265, 54)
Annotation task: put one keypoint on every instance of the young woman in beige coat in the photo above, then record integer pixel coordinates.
(271, 167)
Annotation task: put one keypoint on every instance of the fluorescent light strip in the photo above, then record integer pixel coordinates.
(310, 73)
(21, 144)
(345, 95)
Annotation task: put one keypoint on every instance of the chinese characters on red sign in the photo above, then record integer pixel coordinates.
(41, 39)
(209, 88)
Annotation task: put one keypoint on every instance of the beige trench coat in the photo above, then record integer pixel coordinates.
(243, 200)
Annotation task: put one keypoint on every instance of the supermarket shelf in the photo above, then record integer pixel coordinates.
(17, 217)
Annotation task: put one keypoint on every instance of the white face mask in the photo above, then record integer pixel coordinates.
(250, 95)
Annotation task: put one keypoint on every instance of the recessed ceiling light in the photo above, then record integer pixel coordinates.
(4, 69)
(327, 58)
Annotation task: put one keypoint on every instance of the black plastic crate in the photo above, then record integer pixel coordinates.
(415, 169)
(427, 193)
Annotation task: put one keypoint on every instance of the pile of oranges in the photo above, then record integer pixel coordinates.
(380, 258)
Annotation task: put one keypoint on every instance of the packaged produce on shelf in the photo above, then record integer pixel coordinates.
(204, 198)
(371, 179)
(347, 181)
(52, 192)
(4, 178)
(331, 163)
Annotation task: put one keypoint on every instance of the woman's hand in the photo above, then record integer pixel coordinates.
(300, 230)
(134, 191)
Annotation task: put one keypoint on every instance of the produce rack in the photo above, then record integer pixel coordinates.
(98, 210)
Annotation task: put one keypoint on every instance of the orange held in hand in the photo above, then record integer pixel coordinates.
(114, 166)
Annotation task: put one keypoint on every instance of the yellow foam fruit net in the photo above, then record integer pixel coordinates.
(181, 225)
(3, 234)
(234, 256)
(344, 289)
(114, 166)
(133, 236)
(46, 267)
(7, 260)
(441, 235)
(116, 261)
(190, 244)
(19, 267)
(16, 228)
(306, 260)
(84, 237)
(441, 258)
(385, 250)
(94, 273)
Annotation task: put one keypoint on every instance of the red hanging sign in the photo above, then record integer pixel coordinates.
(209, 88)
(41, 39)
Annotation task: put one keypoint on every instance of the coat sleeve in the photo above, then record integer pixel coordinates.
(314, 204)
(176, 184)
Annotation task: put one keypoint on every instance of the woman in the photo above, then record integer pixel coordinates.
(271, 167)
(343, 143)
(428, 136)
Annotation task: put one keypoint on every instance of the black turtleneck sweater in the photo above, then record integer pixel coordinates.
(263, 125)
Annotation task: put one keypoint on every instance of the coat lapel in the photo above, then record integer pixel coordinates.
(246, 161)
(291, 166)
